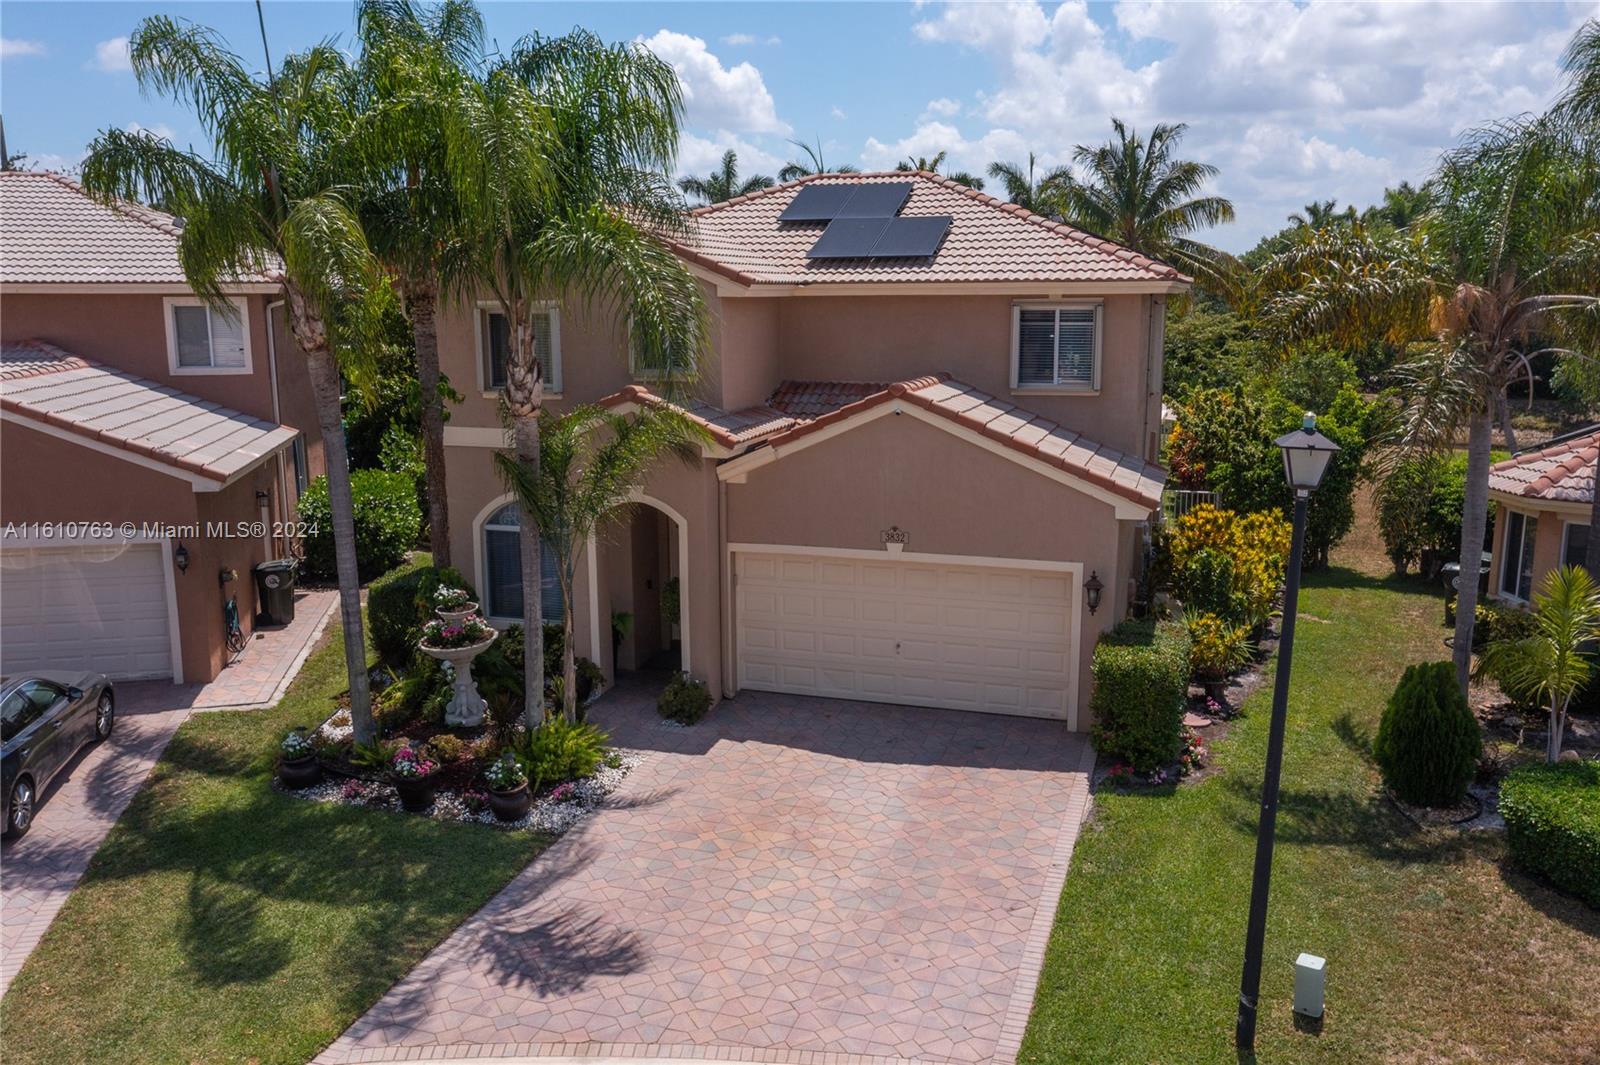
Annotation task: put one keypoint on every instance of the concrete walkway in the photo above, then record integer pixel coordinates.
(793, 880)
(39, 871)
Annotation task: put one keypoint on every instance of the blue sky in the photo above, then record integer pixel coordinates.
(1291, 101)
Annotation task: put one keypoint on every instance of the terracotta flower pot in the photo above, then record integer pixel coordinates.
(511, 805)
(300, 772)
(416, 793)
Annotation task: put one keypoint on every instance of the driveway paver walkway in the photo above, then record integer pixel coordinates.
(793, 880)
(39, 871)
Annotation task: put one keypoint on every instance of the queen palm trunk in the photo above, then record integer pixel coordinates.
(1474, 514)
(323, 371)
(524, 398)
(422, 304)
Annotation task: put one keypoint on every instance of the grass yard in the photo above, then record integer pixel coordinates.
(221, 921)
(1436, 951)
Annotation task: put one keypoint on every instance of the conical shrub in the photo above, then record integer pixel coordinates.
(1428, 742)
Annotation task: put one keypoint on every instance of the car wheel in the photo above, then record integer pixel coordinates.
(19, 816)
(105, 717)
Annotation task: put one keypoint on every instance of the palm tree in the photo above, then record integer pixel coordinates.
(590, 463)
(559, 154)
(813, 165)
(1138, 194)
(1320, 214)
(413, 65)
(1402, 205)
(1553, 662)
(1042, 195)
(931, 166)
(1508, 250)
(724, 184)
(271, 198)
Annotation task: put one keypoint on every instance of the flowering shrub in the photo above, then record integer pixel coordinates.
(450, 598)
(464, 633)
(474, 800)
(505, 774)
(355, 791)
(1194, 753)
(297, 745)
(563, 792)
(410, 764)
(1255, 545)
(1120, 773)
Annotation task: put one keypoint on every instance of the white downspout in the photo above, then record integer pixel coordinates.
(277, 416)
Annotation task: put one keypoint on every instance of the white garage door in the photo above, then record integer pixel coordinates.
(962, 637)
(85, 608)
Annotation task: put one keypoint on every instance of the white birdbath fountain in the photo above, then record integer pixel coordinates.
(466, 707)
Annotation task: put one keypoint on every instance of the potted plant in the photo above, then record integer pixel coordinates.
(509, 794)
(297, 765)
(453, 604)
(458, 643)
(413, 775)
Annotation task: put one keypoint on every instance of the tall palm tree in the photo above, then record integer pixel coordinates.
(723, 183)
(1042, 195)
(814, 164)
(590, 463)
(1139, 194)
(1402, 205)
(922, 162)
(413, 65)
(1320, 214)
(271, 198)
(1509, 250)
(559, 154)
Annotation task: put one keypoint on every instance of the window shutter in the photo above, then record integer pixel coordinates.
(499, 340)
(1075, 346)
(549, 585)
(543, 348)
(192, 334)
(227, 337)
(1036, 342)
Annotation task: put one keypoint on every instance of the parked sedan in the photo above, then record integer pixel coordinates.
(45, 719)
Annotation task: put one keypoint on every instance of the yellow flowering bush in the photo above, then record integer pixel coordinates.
(1216, 647)
(1256, 544)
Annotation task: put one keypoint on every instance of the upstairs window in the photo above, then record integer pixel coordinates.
(494, 344)
(1056, 346)
(206, 339)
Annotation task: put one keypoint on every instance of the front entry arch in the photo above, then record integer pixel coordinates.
(686, 577)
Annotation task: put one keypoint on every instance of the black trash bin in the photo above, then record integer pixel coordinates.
(275, 590)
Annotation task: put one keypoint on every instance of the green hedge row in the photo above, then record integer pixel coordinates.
(387, 520)
(1141, 682)
(1552, 815)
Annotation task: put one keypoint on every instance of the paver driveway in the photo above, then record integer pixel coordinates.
(790, 878)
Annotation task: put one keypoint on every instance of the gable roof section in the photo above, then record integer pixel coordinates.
(65, 394)
(730, 429)
(1562, 472)
(53, 232)
(989, 241)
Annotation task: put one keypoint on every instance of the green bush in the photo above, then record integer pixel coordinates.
(498, 670)
(1206, 585)
(1552, 817)
(397, 605)
(423, 692)
(1428, 741)
(557, 751)
(1141, 681)
(387, 522)
(1504, 668)
(684, 700)
(1499, 623)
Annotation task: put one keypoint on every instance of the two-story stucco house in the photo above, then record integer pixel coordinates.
(135, 421)
(928, 459)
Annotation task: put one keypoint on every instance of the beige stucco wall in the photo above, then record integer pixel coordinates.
(951, 497)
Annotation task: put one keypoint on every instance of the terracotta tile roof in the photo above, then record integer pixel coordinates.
(728, 428)
(40, 382)
(989, 240)
(1562, 472)
(812, 399)
(52, 231)
(1005, 423)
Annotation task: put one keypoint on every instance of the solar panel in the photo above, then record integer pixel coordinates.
(817, 203)
(911, 238)
(848, 238)
(876, 201)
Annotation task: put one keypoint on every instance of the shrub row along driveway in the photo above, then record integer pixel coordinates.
(794, 875)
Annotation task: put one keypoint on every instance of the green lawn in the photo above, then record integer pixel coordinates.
(221, 921)
(1436, 952)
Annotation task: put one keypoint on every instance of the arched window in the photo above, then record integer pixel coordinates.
(502, 568)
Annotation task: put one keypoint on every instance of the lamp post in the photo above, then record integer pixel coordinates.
(1305, 459)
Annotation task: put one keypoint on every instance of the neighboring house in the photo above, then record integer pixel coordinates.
(1543, 500)
(917, 463)
(125, 399)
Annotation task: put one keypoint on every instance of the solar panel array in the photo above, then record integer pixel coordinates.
(864, 222)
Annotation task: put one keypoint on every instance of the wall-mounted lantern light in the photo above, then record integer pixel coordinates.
(180, 558)
(1092, 589)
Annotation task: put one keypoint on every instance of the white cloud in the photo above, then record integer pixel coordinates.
(702, 155)
(745, 39)
(160, 130)
(943, 107)
(838, 112)
(112, 55)
(15, 48)
(715, 96)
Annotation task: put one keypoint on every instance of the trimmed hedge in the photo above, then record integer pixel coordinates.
(1428, 741)
(684, 700)
(1552, 815)
(1141, 682)
(387, 518)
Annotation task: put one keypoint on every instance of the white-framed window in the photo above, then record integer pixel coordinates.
(203, 339)
(494, 345)
(1055, 347)
(502, 569)
(1574, 542)
(1516, 566)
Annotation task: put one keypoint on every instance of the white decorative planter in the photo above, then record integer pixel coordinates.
(455, 617)
(466, 705)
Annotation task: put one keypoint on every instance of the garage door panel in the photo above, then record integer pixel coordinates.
(100, 608)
